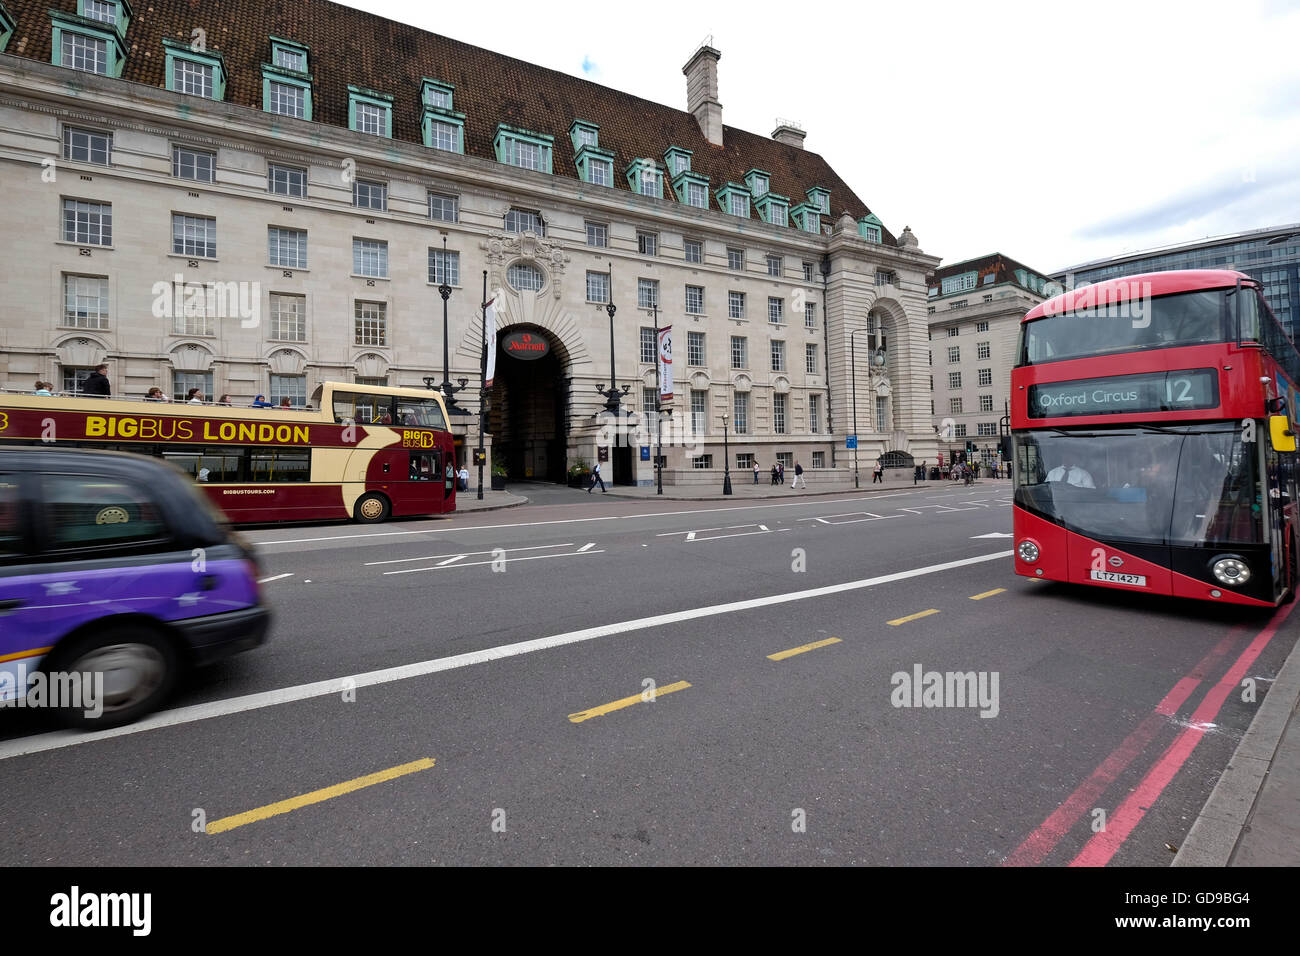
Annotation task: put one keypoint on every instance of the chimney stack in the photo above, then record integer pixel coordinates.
(789, 132)
(702, 91)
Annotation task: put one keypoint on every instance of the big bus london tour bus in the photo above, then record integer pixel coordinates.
(1152, 430)
(360, 451)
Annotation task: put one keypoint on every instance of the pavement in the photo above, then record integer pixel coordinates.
(743, 488)
(492, 500)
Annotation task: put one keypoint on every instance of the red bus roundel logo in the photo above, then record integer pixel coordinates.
(525, 345)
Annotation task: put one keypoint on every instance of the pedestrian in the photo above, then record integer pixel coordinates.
(798, 475)
(154, 394)
(595, 479)
(463, 477)
(878, 474)
(43, 389)
(96, 382)
(755, 471)
(225, 400)
(780, 473)
(261, 402)
(924, 469)
(194, 397)
(774, 475)
(285, 403)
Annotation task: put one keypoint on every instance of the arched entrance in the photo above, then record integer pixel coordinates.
(528, 404)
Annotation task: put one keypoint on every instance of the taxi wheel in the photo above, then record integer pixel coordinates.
(125, 671)
(371, 508)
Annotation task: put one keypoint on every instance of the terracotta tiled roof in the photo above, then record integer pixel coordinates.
(1002, 266)
(353, 47)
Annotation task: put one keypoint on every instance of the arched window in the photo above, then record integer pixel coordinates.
(524, 277)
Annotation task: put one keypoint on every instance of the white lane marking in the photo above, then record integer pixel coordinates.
(476, 564)
(690, 536)
(459, 557)
(761, 527)
(587, 547)
(995, 534)
(220, 708)
(465, 554)
(275, 577)
(537, 524)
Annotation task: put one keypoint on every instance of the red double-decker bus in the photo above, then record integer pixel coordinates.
(1153, 438)
(362, 452)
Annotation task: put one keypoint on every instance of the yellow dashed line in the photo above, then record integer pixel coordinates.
(782, 655)
(316, 796)
(983, 595)
(912, 617)
(603, 709)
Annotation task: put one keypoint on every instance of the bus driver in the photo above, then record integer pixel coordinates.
(1072, 474)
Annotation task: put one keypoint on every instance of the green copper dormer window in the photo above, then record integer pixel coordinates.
(442, 127)
(286, 84)
(757, 181)
(194, 73)
(959, 283)
(692, 189)
(773, 208)
(523, 148)
(6, 27)
(870, 228)
(820, 199)
(808, 217)
(113, 13)
(645, 177)
(370, 111)
(733, 198)
(595, 166)
(677, 160)
(289, 55)
(92, 46)
(583, 134)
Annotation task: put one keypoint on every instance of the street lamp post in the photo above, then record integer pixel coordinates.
(659, 471)
(853, 371)
(448, 389)
(482, 389)
(726, 458)
(612, 394)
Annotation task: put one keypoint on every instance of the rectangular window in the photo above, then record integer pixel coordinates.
(738, 205)
(102, 10)
(778, 356)
(290, 59)
(810, 358)
(444, 266)
(982, 326)
(952, 331)
(959, 283)
(775, 265)
(191, 77)
(182, 382)
(371, 323)
(525, 155)
(697, 195)
(882, 414)
(193, 164)
(819, 459)
(597, 286)
(694, 348)
(810, 315)
(740, 413)
(443, 208)
(807, 272)
(598, 235)
(371, 118)
(735, 305)
(745, 461)
(74, 379)
(292, 387)
(699, 411)
(982, 350)
(986, 376)
(775, 309)
(287, 248)
(521, 220)
(778, 413)
(647, 293)
(444, 136)
(286, 99)
(288, 317)
(286, 181)
(380, 380)
(739, 352)
(652, 183)
(954, 406)
(959, 431)
(695, 300)
(702, 461)
(191, 318)
(986, 403)
(736, 260)
(648, 403)
(370, 258)
(647, 243)
(194, 236)
(81, 52)
(954, 379)
(367, 195)
(954, 354)
(986, 428)
(647, 345)
(87, 146)
(85, 300)
(693, 250)
(815, 418)
(778, 215)
(599, 172)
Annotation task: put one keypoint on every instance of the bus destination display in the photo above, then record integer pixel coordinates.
(1126, 394)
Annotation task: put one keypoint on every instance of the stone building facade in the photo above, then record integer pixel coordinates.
(252, 200)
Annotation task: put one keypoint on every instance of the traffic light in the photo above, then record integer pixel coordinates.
(970, 449)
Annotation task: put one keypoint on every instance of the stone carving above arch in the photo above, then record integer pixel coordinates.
(82, 351)
(540, 311)
(287, 362)
(190, 357)
(742, 383)
(503, 249)
(370, 365)
(781, 384)
(700, 380)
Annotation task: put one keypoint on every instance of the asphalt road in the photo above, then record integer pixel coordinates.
(518, 628)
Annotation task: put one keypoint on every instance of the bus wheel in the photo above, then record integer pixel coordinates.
(371, 509)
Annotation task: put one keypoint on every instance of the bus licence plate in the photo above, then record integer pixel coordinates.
(1111, 577)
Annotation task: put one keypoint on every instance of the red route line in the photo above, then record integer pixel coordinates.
(1102, 847)
(1051, 831)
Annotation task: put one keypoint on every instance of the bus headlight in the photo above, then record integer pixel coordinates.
(1028, 552)
(1231, 571)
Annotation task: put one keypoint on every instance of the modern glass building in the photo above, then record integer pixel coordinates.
(1270, 255)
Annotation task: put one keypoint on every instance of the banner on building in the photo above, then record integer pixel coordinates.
(666, 364)
(490, 337)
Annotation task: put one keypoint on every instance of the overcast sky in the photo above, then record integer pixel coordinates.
(1054, 133)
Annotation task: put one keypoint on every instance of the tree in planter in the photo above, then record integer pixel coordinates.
(498, 476)
(579, 474)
